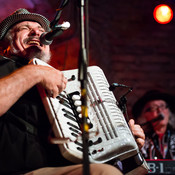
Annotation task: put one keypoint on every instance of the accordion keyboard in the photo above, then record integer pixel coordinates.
(109, 134)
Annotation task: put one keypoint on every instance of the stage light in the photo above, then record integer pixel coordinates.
(163, 14)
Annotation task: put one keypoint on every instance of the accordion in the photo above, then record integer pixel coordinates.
(109, 135)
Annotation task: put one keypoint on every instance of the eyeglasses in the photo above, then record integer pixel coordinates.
(156, 107)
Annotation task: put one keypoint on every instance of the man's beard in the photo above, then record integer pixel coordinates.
(33, 52)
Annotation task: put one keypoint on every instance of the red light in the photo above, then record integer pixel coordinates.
(163, 14)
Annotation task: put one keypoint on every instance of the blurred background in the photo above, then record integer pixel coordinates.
(125, 40)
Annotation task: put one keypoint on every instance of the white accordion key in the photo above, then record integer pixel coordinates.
(77, 103)
(78, 109)
(76, 97)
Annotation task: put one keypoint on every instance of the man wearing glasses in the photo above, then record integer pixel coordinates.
(154, 111)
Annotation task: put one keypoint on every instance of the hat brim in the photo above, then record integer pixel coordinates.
(153, 95)
(11, 20)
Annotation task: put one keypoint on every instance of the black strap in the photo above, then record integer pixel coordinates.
(133, 162)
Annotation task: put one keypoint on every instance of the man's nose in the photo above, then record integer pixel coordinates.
(159, 109)
(35, 31)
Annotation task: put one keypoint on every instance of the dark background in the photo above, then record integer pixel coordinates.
(124, 40)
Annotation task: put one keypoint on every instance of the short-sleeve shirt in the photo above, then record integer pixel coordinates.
(24, 146)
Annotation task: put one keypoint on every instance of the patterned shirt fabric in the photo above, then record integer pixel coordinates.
(160, 147)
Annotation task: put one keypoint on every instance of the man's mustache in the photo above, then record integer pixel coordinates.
(30, 38)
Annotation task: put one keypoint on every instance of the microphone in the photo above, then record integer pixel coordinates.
(47, 37)
(160, 117)
(114, 85)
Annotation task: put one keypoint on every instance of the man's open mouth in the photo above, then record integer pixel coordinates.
(34, 42)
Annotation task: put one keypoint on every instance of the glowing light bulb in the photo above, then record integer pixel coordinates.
(163, 14)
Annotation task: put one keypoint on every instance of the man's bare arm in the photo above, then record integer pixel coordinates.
(13, 86)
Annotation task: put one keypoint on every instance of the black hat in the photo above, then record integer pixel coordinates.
(153, 95)
(19, 16)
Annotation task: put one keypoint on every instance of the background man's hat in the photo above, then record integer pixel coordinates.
(19, 16)
(153, 95)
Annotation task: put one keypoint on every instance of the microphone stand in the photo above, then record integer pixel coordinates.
(82, 76)
(53, 24)
(123, 102)
(82, 73)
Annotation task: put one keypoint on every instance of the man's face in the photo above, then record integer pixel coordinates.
(26, 42)
(152, 110)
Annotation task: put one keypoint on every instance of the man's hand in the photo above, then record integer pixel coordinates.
(53, 80)
(138, 133)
